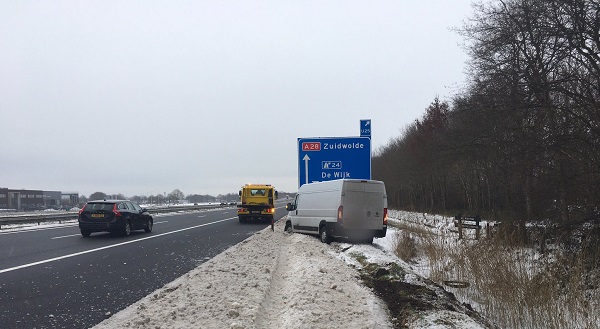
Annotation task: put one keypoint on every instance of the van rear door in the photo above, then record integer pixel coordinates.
(363, 203)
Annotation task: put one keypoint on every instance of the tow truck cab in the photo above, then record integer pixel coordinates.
(257, 202)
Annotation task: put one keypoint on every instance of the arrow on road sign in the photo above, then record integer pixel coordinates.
(365, 128)
(306, 159)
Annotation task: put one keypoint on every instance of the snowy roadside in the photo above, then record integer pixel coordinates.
(278, 280)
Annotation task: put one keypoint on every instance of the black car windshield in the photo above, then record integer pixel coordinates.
(99, 206)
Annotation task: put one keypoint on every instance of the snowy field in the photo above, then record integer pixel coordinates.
(281, 280)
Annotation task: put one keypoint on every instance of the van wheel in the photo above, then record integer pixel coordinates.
(288, 228)
(241, 220)
(323, 234)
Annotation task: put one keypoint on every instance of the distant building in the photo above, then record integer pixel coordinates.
(70, 198)
(34, 199)
(3, 198)
(52, 198)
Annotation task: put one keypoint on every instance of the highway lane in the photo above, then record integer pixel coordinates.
(51, 242)
(55, 278)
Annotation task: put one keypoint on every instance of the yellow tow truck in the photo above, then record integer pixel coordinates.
(257, 202)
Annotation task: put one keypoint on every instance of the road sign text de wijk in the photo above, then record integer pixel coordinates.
(323, 159)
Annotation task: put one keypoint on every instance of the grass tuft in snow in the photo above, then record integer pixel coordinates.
(406, 249)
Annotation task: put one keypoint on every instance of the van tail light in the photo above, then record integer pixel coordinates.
(115, 211)
(242, 210)
(271, 210)
(340, 213)
(385, 216)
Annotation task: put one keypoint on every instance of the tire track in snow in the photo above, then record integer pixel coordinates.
(268, 313)
(310, 289)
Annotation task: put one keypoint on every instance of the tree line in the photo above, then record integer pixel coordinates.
(522, 138)
(173, 197)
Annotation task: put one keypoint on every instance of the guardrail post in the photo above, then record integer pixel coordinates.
(478, 229)
(459, 222)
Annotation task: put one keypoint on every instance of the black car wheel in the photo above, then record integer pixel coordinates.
(86, 233)
(127, 229)
(149, 225)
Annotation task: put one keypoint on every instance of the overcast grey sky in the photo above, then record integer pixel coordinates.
(142, 97)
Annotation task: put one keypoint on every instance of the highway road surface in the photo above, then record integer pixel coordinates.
(52, 277)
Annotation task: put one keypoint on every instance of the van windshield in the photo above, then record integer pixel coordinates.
(258, 192)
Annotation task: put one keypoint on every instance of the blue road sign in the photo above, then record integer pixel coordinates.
(365, 128)
(324, 159)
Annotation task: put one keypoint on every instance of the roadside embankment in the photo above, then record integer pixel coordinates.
(270, 280)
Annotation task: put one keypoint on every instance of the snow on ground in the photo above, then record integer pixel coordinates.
(278, 280)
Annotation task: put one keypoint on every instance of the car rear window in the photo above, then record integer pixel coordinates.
(99, 206)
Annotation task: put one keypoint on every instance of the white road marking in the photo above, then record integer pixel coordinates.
(72, 235)
(108, 247)
(64, 236)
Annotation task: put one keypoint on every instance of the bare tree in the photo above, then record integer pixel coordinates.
(97, 196)
(176, 195)
(524, 137)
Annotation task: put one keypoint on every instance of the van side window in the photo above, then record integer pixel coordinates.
(296, 200)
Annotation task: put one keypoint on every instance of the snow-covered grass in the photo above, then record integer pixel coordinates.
(47, 212)
(514, 285)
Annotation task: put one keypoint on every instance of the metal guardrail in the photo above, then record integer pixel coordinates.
(33, 218)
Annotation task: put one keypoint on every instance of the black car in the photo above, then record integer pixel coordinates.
(118, 216)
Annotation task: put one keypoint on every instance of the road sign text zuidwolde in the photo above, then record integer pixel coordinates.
(342, 146)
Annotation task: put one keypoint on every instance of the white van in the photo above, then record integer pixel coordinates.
(349, 208)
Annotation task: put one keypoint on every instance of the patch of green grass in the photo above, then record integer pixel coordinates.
(396, 270)
(403, 299)
(362, 259)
